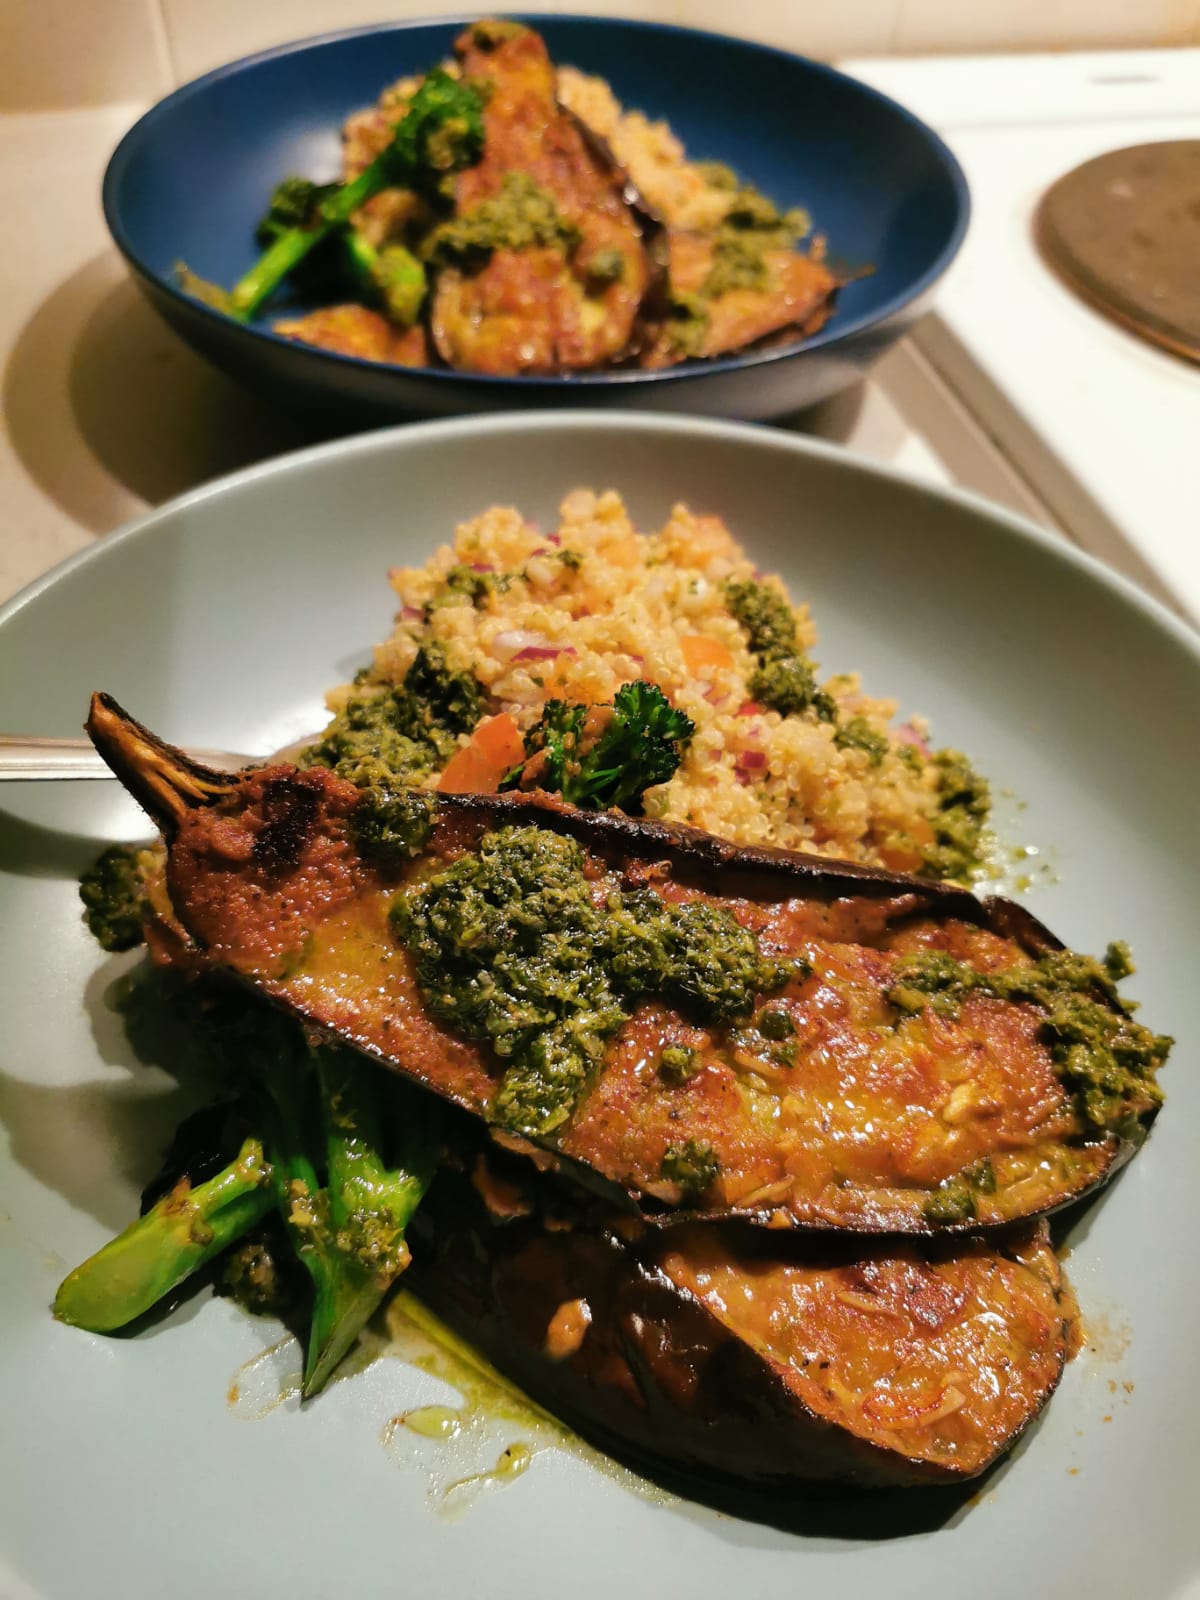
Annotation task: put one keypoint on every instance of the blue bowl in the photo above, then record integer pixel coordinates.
(189, 181)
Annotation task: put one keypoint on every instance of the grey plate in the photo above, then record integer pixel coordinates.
(220, 620)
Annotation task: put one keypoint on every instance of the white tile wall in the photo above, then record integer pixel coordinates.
(932, 26)
(204, 33)
(56, 53)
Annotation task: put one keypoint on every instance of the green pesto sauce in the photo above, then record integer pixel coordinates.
(765, 617)
(789, 686)
(738, 263)
(520, 217)
(954, 1199)
(692, 1165)
(687, 316)
(605, 267)
(856, 733)
(678, 1063)
(113, 895)
(385, 741)
(752, 227)
(408, 729)
(786, 679)
(964, 804)
(1104, 1059)
(463, 584)
(510, 948)
(751, 231)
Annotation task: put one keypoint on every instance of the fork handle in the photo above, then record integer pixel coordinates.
(24, 758)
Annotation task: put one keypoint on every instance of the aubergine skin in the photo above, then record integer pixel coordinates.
(656, 1379)
(266, 880)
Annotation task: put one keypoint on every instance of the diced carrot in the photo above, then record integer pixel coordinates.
(625, 552)
(495, 747)
(499, 739)
(467, 772)
(702, 654)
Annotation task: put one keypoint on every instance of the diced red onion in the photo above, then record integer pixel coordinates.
(554, 538)
(507, 644)
(482, 566)
(542, 652)
(749, 708)
(907, 734)
(749, 764)
(410, 613)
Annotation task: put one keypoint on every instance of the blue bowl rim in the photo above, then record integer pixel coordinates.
(834, 331)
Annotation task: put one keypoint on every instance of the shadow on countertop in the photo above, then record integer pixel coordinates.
(109, 410)
(105, 406)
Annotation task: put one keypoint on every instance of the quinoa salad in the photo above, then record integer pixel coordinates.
(775, 755)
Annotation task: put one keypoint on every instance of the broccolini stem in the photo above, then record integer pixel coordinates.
(272, 267)
(360, 1252)
(441, 132)
(186, 1229)
(286, 253)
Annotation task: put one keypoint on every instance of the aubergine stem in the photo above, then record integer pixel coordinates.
(165, 783)
(186, 1229)
(356, 1249)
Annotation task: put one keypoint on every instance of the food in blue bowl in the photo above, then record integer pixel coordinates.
(483, 214)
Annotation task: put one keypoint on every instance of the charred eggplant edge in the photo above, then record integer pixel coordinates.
(757, 1415)
(167, 783)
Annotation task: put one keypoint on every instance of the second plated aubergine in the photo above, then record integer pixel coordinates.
(737, 1357)
(714, 1031)
(543, 267)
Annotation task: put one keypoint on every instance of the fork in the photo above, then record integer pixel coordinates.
(24, 758)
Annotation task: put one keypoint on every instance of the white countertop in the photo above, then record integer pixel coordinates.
(1103, 425)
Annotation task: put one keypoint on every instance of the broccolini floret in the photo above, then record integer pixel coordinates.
(440, 132)
(603, 756)
(340, 1154)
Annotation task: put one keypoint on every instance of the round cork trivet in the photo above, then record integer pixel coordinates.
(1124, 231)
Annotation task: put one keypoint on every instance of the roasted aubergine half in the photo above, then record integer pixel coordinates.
(702, 1030)
(718, 1358)
(764, 1360)
(566, 295)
